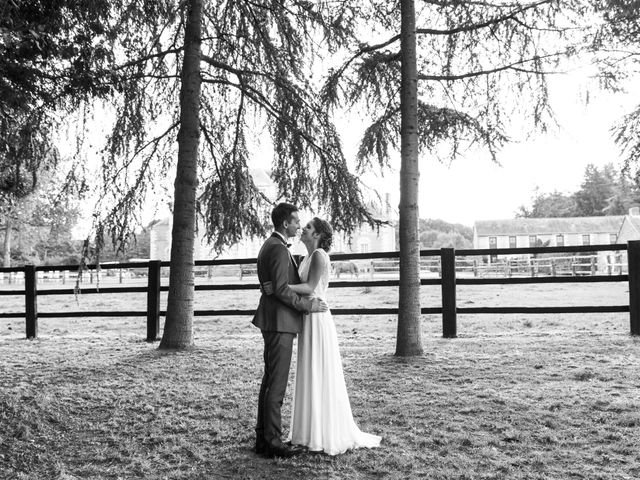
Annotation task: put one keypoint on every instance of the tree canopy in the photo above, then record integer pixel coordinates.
(613, 41)
(37, 228)
(604, 191)
(480, 65)
(49, 55)
(258, 76)
(256, 64)
(437, 233)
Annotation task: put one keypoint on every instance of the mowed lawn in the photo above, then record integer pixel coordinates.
(513, 397)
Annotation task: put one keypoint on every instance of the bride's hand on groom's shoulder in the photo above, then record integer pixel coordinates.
(319, 305)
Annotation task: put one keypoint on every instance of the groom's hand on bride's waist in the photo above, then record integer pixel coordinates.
(266, 288)
(318, 305)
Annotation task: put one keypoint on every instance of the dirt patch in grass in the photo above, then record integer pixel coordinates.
(517, 397)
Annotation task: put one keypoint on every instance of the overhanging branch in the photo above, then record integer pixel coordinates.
(479, 73)
(480, 25)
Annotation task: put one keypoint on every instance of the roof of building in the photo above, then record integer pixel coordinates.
(633, 220)
(168, 220)
(546, 226)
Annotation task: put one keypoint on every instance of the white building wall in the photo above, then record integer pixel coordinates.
(367, 240)
(522, 241)
(501, 241)
(160, 238)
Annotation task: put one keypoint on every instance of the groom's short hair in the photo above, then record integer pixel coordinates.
(281, 213)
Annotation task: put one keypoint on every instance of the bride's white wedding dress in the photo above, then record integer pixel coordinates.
(321, 417)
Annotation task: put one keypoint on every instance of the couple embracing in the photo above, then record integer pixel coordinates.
(293, 302)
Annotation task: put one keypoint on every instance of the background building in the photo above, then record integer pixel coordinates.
(551, 232)
(531, 232)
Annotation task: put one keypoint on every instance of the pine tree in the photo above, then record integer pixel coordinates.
(246, 63)
(473, 57)
(409, 337)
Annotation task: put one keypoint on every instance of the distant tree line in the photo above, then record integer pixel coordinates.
(47, 248)
(604, 191)
(436, 233)
(37, 229)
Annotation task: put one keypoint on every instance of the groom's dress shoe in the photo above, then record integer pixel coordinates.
(282, 451)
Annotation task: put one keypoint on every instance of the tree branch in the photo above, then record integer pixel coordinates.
(210, 144)
(258, 98)
(478, 73)
(478, 26)
(154, 141)
(141, 60)
(239, 72)
(238, 120)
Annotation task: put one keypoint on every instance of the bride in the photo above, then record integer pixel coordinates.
(321, 417)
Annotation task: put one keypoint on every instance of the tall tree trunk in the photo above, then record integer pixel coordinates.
(409, 340)
(6, 261)
(178, 328)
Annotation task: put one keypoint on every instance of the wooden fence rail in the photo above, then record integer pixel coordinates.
(447, 280)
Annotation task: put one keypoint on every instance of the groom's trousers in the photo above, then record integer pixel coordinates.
(277, 360)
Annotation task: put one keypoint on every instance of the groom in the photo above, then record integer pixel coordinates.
(279, 316)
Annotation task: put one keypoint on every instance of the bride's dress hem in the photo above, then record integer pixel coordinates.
(333, 453)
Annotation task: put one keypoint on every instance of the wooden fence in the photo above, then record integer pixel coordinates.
(447, 279)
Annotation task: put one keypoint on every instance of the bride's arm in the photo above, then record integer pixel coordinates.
(318, 265)
(302, 288)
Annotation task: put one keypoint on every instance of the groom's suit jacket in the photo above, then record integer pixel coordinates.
(282, 311)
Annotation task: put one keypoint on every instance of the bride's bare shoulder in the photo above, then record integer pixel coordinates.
(320, 256)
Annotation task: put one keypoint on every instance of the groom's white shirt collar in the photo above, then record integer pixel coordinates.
(281, 236)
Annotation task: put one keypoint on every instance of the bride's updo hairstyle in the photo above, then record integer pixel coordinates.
(326, 233)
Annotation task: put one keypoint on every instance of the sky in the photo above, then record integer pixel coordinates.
(475, 188)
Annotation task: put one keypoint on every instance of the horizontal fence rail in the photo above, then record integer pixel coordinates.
(446, 262)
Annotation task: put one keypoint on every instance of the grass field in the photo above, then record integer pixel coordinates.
(514, 397)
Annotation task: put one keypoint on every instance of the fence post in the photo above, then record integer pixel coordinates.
(31, 301)
(633, 261)
(448, 266)
(153, 301)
